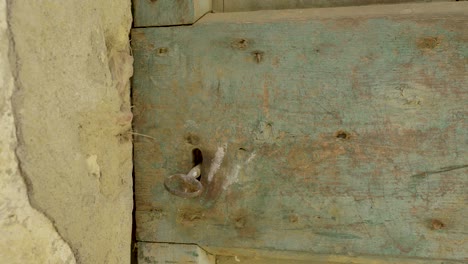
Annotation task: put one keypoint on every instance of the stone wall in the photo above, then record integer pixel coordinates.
(65, 138)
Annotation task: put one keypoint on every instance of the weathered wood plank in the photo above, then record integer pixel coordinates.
(339, 133)
(272, 258)
(218, 5)
(153, 253)
(252, 5)
(408, 11)
(149, 13)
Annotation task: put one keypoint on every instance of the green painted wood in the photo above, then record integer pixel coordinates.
(162, 253)
(218, 5)
(321, 259)
(147, 13)
(335, 132)
(252, 5)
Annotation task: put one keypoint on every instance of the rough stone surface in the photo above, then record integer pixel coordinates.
(71, 106)
(27, 236)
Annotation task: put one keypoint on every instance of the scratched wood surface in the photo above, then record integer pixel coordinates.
(322, 132)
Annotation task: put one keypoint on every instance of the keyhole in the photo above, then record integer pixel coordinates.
(197, 159)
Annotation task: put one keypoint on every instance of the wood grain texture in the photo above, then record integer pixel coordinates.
(148, 13)
(154, 253)
(339, 135)
(252, 5)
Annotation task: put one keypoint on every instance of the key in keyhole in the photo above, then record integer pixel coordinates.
(197, 159)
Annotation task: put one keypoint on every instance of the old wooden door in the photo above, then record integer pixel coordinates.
(336, 135)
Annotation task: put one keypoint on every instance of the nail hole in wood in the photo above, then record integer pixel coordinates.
(192, 139)
(162, 51)
(258, 55)
(342, 134)
(240, 43)
(437, 224)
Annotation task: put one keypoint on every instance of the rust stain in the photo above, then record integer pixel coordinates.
(243, 225)
(429, 43)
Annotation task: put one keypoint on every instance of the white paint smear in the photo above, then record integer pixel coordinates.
(216, 162)
(233, 177)
(251, 157)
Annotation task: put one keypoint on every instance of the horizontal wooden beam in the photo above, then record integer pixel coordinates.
(407, 11)
(256, 256)
(253, 5)
(150, 13)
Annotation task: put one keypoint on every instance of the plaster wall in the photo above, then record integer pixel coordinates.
(65, 137)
